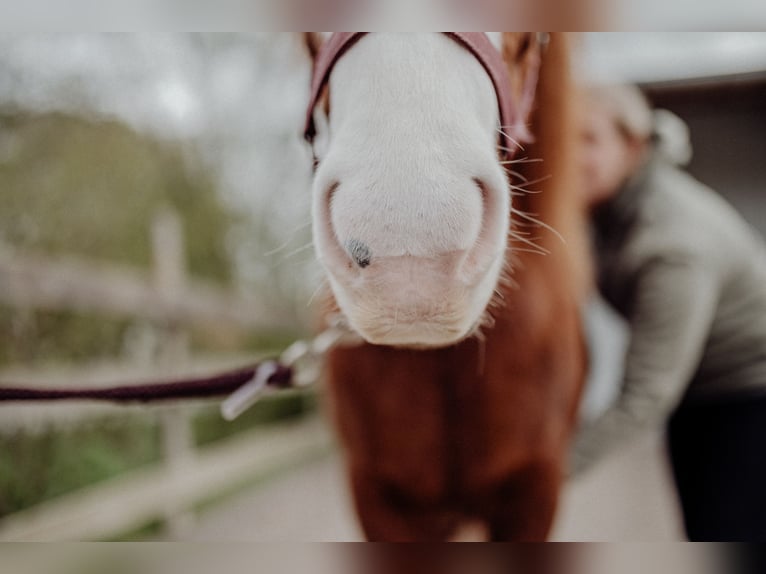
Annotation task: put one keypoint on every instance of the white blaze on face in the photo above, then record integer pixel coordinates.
(410, 201)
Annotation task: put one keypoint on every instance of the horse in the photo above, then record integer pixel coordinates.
(462, 559)
(454, 245)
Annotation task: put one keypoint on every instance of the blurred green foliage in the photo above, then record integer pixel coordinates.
(210, 426)
(38, 467)
(71, 185)
(75, 186)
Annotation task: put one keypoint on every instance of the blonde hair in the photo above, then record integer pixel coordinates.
(636, 119)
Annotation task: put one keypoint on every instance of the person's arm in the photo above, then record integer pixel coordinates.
(673, 308)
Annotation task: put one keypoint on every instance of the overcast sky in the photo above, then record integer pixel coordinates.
(237, 100)
(659, 56)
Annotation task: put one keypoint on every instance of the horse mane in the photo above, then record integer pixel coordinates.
(552, 197)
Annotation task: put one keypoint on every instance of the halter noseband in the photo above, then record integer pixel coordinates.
(512, 114)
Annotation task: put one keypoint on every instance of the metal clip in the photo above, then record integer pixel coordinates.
(304, 358)
(249, 393)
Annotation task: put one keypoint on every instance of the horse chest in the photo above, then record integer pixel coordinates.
(433, 424)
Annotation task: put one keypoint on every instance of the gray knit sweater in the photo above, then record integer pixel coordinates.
(689, 275)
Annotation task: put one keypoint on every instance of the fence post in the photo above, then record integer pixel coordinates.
(169, 267)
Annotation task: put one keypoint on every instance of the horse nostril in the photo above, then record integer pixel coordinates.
(359, 252)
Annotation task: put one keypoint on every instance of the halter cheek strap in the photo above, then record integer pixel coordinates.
(512, 114)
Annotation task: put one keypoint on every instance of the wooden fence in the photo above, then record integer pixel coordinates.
(170, 490)
(171, 302)
(164, 295)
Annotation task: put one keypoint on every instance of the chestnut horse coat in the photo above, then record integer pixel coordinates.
(480, 430)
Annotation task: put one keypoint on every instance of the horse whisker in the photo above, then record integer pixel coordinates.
(294, 252)
(517, 144)
(524, 191)
(521, 160)
(537, 248)
(317, 291)
(517, 174)
(538, 180)
(509, 150)
(286, 243)
(538, 222)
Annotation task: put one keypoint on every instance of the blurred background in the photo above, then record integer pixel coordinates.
(377, 559)
(155, 221)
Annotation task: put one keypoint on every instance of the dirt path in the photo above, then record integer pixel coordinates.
(627, 498)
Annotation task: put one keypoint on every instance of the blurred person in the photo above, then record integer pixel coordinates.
(689, 276)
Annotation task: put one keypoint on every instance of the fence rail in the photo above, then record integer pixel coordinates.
(128, 503)
(73, 284)
(169, 301)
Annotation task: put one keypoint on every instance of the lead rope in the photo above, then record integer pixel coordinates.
(297, 367)
(303, 359)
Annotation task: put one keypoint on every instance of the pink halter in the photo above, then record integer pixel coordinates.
(512, 114)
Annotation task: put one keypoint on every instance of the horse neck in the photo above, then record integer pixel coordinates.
(555, 199)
